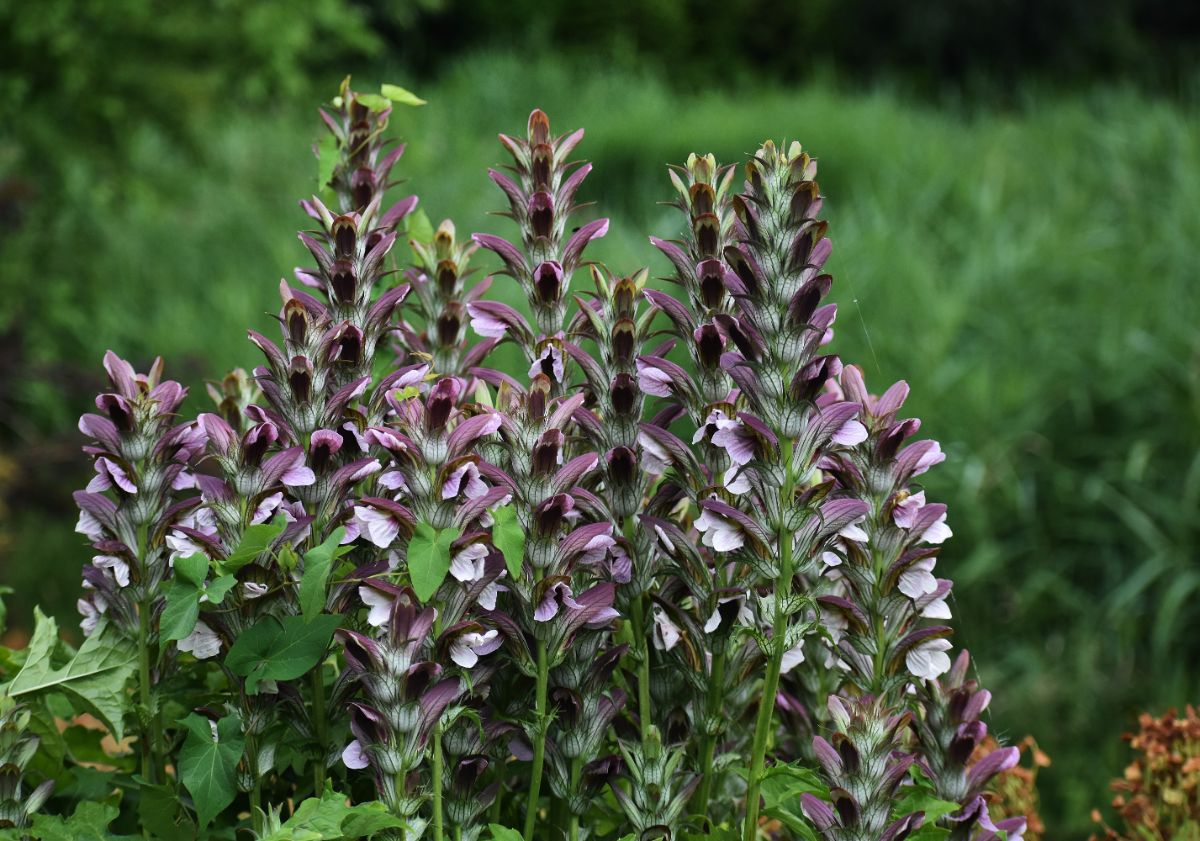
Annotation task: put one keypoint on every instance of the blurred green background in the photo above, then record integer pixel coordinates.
(1014, 192)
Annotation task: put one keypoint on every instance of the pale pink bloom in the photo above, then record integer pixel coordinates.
(379, 606)
(719, 533)
(376, 526)
(467, 648)
(355, 756)
(929, 659)
(666, 633)
(202, 642)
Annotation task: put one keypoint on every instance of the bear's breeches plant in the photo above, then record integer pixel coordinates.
(671, 576)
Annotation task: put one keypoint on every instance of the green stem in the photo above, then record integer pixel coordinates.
(708, 745)
(638, 620)
(576, 770)
(149, 766)
(321, 726)
(256, 805)
(641, 642)
(436, 772)
(497, 805)
(766, 704)
(539, 742)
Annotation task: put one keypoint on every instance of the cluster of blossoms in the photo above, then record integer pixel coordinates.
(678, 549)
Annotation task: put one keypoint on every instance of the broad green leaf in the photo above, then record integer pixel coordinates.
(781, 788)
(401, 96)
(503, 833)
(160, 811)
(208, 764)
(192, 569)
(89, 822)
(429, 558)
(327, 160)
(275, 650)
(218, 588)
(930, 832)
(318, 563)
(255, 541)
(329, 818)
(95, 678)
(509, 537)
(181, 610)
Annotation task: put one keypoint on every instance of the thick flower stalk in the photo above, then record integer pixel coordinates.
(701, 272)
(17, 748)
(774, 433)
(562, 568)
(440, 300)
(406, 692)
(142, 459)
(949, 733)
(358, 169)
(880, 573)
(613, 321)
(864, 765)
(541, 200)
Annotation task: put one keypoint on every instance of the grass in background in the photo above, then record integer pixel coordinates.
(1031, 274)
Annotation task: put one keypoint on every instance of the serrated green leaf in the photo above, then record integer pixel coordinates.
(95, 677)
(192, 569)
(208, 765)
(330, 818)
(89, 822)
(255, 540)
(400, 96)
(181, 610)
(429, 558)
(509, 537)
(275, 650)
(919, 798)
(318, 563)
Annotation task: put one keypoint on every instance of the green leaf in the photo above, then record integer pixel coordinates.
(781, 788)
(318, 563)
(503, 833)
(917, 799)
(255, 541)
(208, 765)
(418, 227)
(400, 96)
(89, 822)
(219, 587)
(275, 650)
(373, 101)
(160, 811)
(429, 558)
(327, 160)
(509, 537)
(181, 611)
(193, 569)
(329, 818)
(95, 678)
